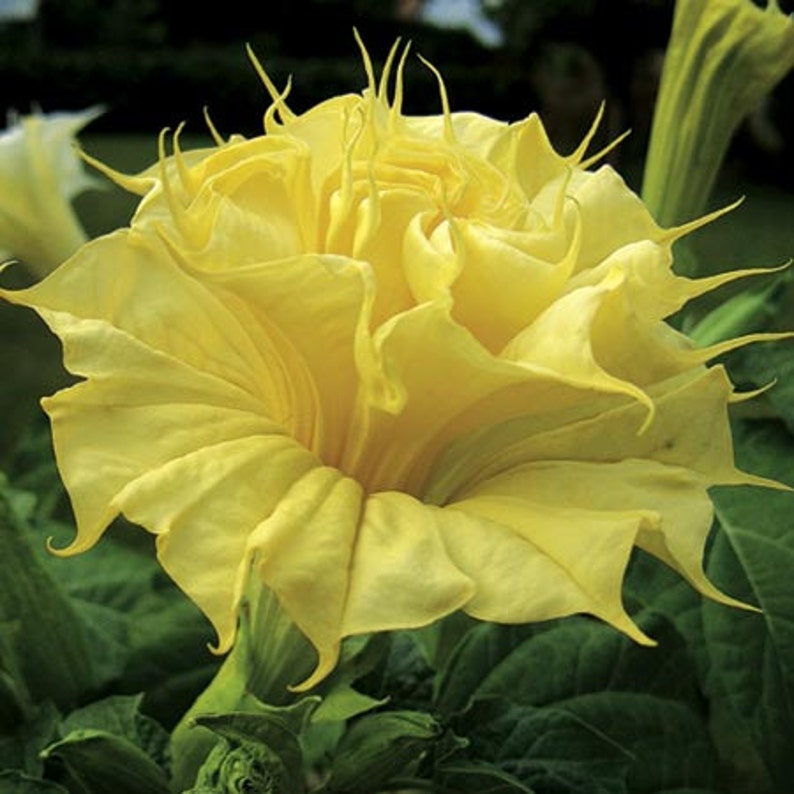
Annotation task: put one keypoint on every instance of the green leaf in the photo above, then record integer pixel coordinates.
(475, 777)
(378, 747)
(20, 749)
(659, 590)
(98, 762)
(120, 716)
(644, 700)
(668, 742)
(109, 746)
(49, 649)
(549, 750)
(480, 651)
(344, 702)
(145, 634)
(276, 727)
(15, 782)
(439, 639)
(761, 365)
(405, 678)
(545, 663)
(750, 679)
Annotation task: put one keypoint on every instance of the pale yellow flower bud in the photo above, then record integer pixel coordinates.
(723, 58)
(40, 174)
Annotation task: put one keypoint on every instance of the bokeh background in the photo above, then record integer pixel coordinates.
(156, 63)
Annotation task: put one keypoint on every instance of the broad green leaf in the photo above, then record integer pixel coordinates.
(546, 663)
(15, 782)
(581, 656)
(378, 747)
(750, 680)
(145, 634)
(662, 592)
(49, 647)
(19, 750)
(474, 777)
(439, 639)
(278, 727)
(99, 762)
(109, 746)
(549, 750)
(482, 649)
(668, 742)
(405, 678)
(762, 365)
(120, 716)
(344, 702)
(643, 700)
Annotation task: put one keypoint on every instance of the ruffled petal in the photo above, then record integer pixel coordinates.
(671, 502)
(401, 575)
(560, 341)
(110, 430)
(303, 553)
(130, 282)
(531, 561)
(690, 429)
(314, 308)
(204, 507)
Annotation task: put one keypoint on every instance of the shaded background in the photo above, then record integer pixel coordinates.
(155, 63)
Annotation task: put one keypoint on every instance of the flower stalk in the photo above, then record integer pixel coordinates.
(270, 655)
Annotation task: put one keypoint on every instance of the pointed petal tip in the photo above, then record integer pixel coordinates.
(627, 626)
(328, 658)
(77, 546)
(674, 233)
(718, 597)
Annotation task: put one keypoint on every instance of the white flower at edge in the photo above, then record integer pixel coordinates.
(40, 175)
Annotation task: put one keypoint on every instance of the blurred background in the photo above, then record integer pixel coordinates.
(155, 63)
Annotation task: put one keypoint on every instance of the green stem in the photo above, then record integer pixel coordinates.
(190, 743)
(269, 655)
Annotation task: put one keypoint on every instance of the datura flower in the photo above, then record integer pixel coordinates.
(40, 174)
(389, 367)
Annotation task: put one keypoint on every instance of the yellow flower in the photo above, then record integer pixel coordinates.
(40, 174)
(390, 367)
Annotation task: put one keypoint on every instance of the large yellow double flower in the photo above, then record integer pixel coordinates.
(390, 367)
